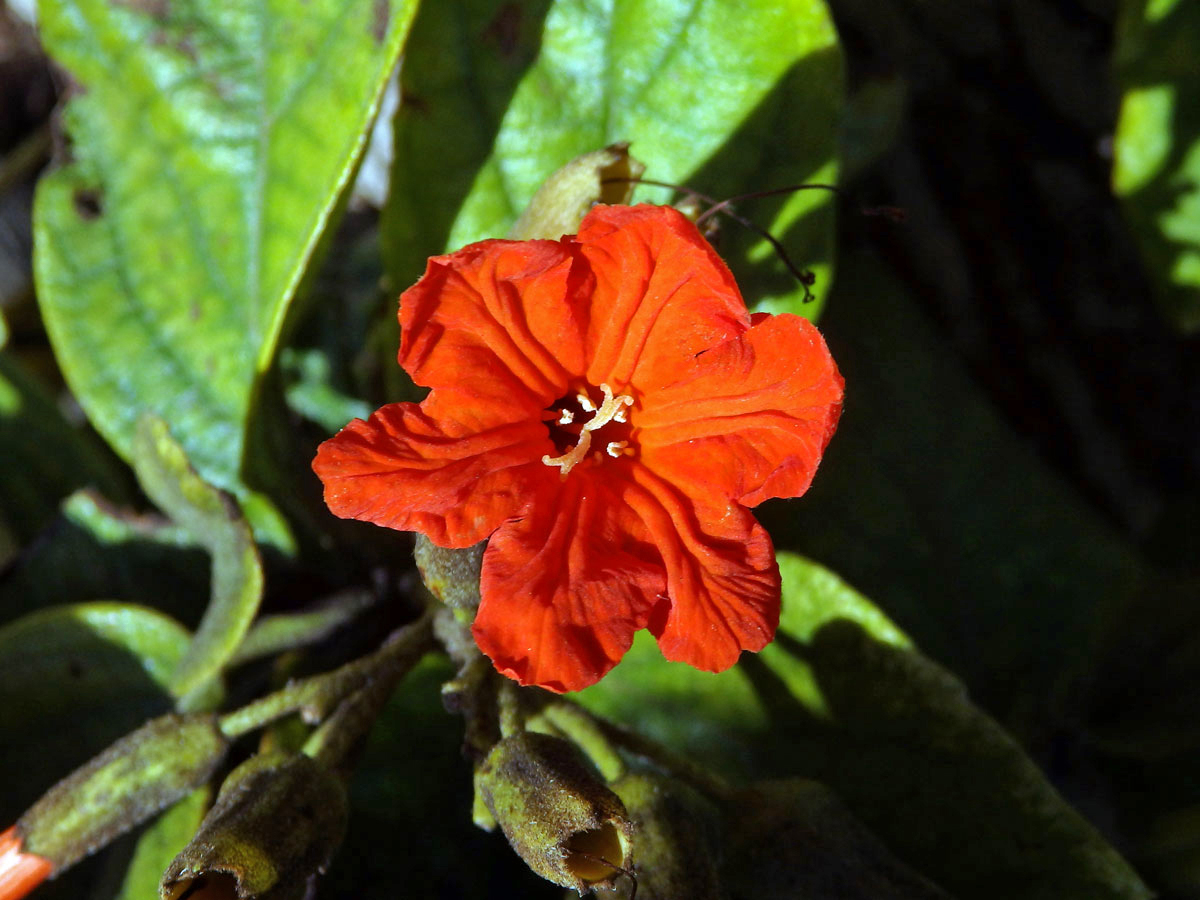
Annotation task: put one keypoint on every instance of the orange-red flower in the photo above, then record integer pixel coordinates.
(604, 409)
(20, 872)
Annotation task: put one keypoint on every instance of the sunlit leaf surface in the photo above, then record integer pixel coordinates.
(209, 144)
(1156, 148)
(726, 95)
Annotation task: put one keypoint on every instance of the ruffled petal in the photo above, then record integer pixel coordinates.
(722, 580)
(565, 588)
(496, 320)
(661, 295)
(448, 468)
(749, 419)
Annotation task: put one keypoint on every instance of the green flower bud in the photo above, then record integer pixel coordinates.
(555, 811)
(138, 776)
(565, 197)
(678, 840)
(451, 575)
(276, 824)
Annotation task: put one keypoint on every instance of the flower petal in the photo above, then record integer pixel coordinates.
(447, 468)
(748, 419)
(722, 580)
(565, 588)
(495, 320)
(661, 295)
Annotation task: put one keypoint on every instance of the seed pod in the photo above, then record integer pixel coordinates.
(556, 811)
(276, 824)
(141, 774)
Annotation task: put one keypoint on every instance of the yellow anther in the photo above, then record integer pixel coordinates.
(566, 418)
(616, 448)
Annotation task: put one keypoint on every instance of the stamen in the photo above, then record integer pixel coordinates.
(612, 409)
(572, 457)
(608, 409)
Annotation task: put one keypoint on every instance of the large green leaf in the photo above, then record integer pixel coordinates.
(214, 521)
(897, 737)
(718, 719)
(210, 144)
(728, 95)
(841, 696)
(1156, 148)
(72, 680)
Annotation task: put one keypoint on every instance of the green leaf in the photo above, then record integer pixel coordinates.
(210, 144)
(1156, 148)
(727, 95)
(896, 736)
(213, 520)
(72, 680)
(45, 458)
(160, 843)
(871, 123)
(842, 697)
(717, 719)
(793, 837)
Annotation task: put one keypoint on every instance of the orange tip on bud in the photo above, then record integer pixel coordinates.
(20, 872)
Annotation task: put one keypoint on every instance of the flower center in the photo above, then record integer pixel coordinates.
(563, 425)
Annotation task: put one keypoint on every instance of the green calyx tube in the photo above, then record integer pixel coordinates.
(277, 822)
(135, 778)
